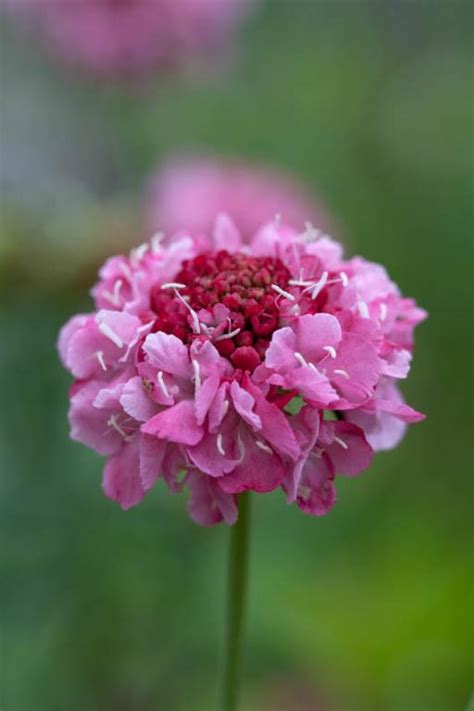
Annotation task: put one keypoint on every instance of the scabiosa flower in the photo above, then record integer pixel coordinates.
(132, 37)
(189, 191)
(225, 366)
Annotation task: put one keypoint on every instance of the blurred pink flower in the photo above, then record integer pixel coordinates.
(225, 366)
(132, 37)
(189, 192)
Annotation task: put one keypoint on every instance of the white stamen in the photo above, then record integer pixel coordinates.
(230, 334)
(304, 492)
(341, 443)
(207, 329)
(363, 309)
(311, 232)
(344, 278)
(331, 350)
(125, 269)
(383, 312)
(313, 367)
(319, 285)
(277, 219)
(156, 241)
(197, 375)
(100, 358)
(112, 422)
(225, 408)
(263, 447)
(139, 252)
(117, 286)
(109, 333)
(340, 371)
(300, 359)
(241, 450)
(194, 316)
(300, 282)
(173, 285)
(220, 446)
(282, 292)
(161, 382)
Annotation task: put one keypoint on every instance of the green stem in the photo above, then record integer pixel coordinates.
(237, 579)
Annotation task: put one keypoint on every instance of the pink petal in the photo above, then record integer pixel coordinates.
(177, 424)
(259, 471)
(316, 491)
(136, 402)
(226, 235)
(244, 404)
(314, 333)
(208, 504)
(350, 453)
(152, 453)
(168, 353)
(121, 479)
(281, 352)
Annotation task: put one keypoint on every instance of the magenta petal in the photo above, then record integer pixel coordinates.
(208, 504)
(152, 453)
(177, 424)
(244, 404)
(350, 453)
(168, 353)
(259, 471)
(316, 491)
(226, 235)
(314, 333)
(121, 480)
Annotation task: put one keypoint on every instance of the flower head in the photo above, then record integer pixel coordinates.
(224, 366)
(126, 38)
(189, 191)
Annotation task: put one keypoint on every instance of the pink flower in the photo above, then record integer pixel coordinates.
(189, 192)
(222, 365)
(132, 37)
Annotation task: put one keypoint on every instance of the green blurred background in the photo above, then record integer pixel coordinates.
(367, 609)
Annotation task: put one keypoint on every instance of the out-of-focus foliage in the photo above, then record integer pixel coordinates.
(364, 610)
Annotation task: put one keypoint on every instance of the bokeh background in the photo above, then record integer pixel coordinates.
(370, 104)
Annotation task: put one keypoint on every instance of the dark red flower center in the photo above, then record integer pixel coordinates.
(243, 284)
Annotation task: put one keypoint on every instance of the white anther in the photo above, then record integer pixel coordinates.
(311, 233)
(241, 446)
(383, 312)
(344, 278)
(340, 371)
(207, 329)
(220, 446)
(117, 286)
(139, 252)
(300, 359)
(282, 292)
(161, 382)
(263, 447)
(300, 282)
(229, 334)
(331, 350)
(304, 492)
(109, 333)
(225, 409)
(112, 422)
(126, 271)
(100, 358)
(197, 374)
(194, 316)
(156, 241)
(341, 443)
(173, 285)
(320, 284)
(363, 309)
